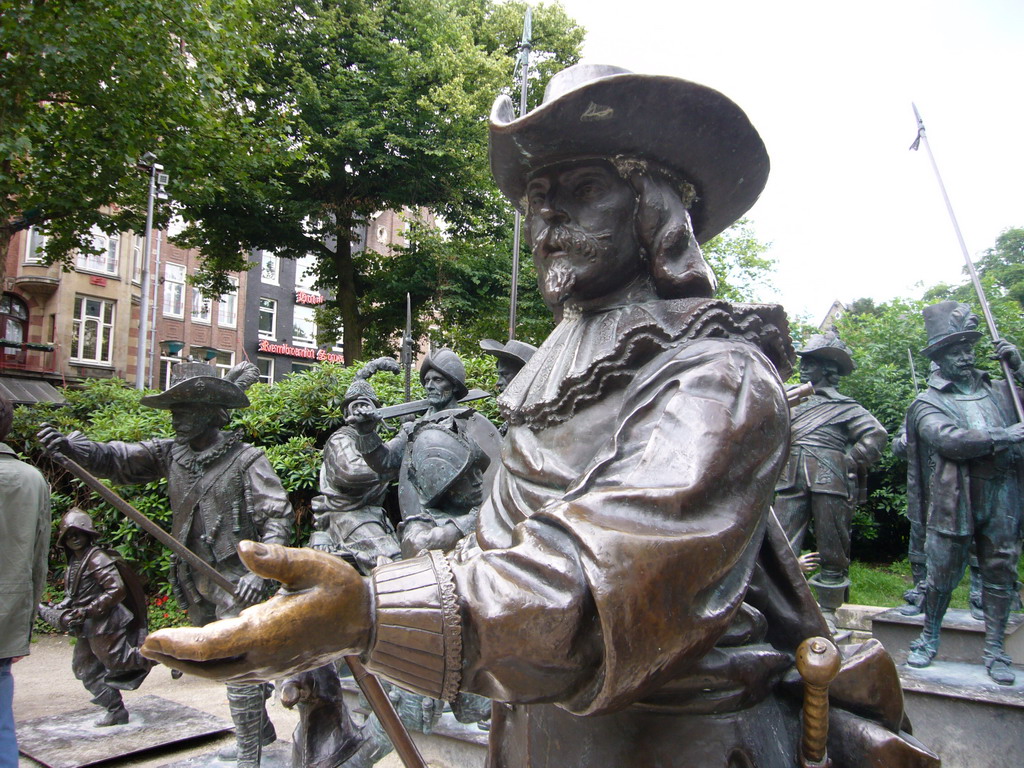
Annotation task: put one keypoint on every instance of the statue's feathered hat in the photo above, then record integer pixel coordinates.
(197, 382)
(599, 111)
(948, 322)
(361, 389)
(828, 346)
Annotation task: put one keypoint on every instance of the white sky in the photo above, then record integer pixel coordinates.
(849, 211)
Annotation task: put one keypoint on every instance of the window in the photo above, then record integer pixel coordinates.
(300, 367)
(91, 333)
(227, 311)
(305, 272)
(223, 362)
(174, 290)
(382, 235)
(200, 307)
(13, 325)
(268, 318)
(35, 246)
(106, 260)
(266, 366)
(271, 268)
(138, 244)
(304, 327)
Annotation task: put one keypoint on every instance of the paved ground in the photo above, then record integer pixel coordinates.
(44, 685)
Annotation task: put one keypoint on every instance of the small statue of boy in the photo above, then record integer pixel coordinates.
(105, 609)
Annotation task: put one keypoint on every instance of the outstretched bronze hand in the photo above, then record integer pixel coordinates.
(323, 612)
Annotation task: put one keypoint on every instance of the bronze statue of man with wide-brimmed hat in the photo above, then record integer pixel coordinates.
(222, 491)
(965, 480)
(833, 441)
(628, 598)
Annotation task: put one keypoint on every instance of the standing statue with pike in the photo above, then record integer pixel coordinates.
(965, 458)
(222, 491)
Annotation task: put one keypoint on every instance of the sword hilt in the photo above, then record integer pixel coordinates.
(818, 662)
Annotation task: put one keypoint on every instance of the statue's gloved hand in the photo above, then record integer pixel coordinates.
(363, 417)
(72, 620)
(1006, 351)
(53, 441)
(250, 589)
(324, 613)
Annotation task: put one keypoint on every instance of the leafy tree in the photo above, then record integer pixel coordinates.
(384, 100)
(90, 85)
(740, 263)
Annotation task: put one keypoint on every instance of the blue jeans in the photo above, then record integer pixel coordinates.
(8, 738)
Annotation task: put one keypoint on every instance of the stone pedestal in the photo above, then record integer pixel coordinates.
(963, 637)
(965, 717)
(71, 740)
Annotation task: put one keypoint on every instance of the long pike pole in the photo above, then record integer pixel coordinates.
(524, 65)
(368, 684)
(922, 138)
(913, 371)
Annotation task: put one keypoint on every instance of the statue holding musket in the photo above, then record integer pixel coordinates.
(104, 607)
(349, 515)
(833, 441)
(222, 491)
(628, 598)
(965, 464)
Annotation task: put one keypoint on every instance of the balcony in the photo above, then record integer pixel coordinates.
(38, 281)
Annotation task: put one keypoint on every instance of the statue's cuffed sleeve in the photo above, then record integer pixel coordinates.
(868, 437)
(271, 511)
(418, 629)
(123, 463)
(384, 458)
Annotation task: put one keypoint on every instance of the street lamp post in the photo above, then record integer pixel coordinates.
(157, 180)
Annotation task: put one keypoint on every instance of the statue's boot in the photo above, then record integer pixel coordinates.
(111, 701)
(253, 728)
(914, 596)
(831, 592)
(997, 611)
(923, 650)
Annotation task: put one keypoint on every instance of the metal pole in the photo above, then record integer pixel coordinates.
(524, 59)
(153, 359)
(913, 371)
(140, 355)
(922, 138)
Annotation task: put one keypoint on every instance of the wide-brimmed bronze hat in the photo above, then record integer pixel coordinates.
(828, 346)
(519, 352)
(946, 323)
(600, 111)
(196, 382)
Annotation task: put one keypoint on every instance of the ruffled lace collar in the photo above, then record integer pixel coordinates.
(590, 350)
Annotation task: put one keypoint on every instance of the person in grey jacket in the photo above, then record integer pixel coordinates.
(24, 544)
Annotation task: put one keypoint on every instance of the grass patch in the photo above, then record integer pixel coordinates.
(884, 584)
